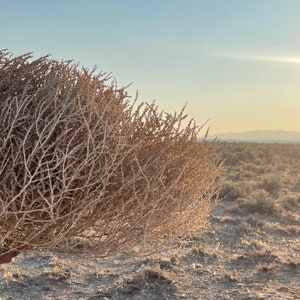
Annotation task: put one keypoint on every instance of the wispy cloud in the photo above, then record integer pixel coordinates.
(263, 58)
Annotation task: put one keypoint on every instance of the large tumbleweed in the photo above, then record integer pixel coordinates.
(85, 169)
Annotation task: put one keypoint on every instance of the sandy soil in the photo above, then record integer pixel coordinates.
(240, 257)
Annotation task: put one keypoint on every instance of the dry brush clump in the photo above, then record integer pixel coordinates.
(84, 169)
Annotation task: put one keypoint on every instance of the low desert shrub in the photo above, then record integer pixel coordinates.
(259, 201)
(290, 201)
(231, 190)
(296, 186)
(271, 184)
(85, 169)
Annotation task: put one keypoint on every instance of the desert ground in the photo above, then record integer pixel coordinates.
(250, 250)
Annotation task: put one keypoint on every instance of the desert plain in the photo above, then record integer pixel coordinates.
(249, 250)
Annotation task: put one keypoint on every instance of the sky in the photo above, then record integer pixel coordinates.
(235, 64)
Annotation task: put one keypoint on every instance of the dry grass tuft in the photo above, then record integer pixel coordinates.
(266, 267)
(58, 273)
(259, 201)
(229, 275)
(10, 273)
(271, 184)
(231, 190)
(148, 277)
(264, 249)
(291, 201)
(206, 252)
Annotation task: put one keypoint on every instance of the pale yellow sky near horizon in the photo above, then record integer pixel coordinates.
(259, 93)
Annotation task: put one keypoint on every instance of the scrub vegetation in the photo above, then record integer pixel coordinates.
(84, 169)
(249, 251)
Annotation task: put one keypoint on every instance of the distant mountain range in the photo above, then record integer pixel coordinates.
(262, 136)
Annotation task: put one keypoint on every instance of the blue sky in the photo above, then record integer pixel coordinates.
(234, 62)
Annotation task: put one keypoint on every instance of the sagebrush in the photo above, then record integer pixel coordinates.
(85, 168)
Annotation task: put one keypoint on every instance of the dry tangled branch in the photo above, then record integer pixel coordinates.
(82, 169)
